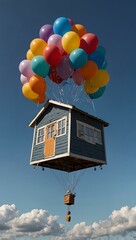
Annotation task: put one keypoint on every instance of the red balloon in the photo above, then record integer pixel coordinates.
(89, 42)
(54, 76)
(52, 55)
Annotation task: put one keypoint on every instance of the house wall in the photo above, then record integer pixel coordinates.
(51, 114)
(80, 146)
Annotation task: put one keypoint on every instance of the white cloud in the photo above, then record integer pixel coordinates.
(36, 223)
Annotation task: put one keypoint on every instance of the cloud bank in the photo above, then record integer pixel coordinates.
(13, 225)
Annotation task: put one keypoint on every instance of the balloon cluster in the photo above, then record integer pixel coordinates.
(64, 50)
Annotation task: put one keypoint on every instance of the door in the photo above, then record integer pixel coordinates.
(50, 140)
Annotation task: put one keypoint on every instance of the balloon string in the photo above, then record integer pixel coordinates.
(93, 105)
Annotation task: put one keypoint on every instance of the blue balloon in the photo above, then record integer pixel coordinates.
(40, 66)
(78, 58)
(61, 26)
(104, 65)
(98, 93)
(98, 57)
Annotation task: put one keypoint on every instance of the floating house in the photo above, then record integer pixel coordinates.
(66, 138)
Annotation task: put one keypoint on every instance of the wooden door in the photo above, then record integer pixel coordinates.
(50, 139)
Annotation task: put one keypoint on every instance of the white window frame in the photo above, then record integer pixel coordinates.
(37, 135)
(65, 126)
(96, 139)
(44, 127)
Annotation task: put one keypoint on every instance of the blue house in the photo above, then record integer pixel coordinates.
(66, 138)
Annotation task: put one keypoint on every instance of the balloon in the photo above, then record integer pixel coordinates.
(104, 65)
(101, 49)
(100, 79)
(89, 70)
(98, 57)
(28, 93)
(37, 84)
(54, 76)
(79, 29)
(78, 58)
(25, 68)
(61, 26)
(23, 79)
(89, 42)
(29, 55)
(40, 99)
(37, 46)
(70, 41)
(71, 21)
(77, 77)
(40, 66)
(46, 31)
(89, 88)
(56, 39)
(98, 93)
(64, 69)
(52, 55)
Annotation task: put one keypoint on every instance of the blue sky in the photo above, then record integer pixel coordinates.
(31, 202)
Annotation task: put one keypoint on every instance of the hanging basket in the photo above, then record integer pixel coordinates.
(69, 199)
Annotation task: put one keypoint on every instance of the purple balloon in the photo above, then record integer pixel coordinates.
(56, 40)
(23, 79)
(25, 68)
(46, 31)
(64, 69)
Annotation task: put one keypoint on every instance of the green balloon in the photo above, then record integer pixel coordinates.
(40, 66)
(98, 93)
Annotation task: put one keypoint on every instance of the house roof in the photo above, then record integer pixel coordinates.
(32, 123)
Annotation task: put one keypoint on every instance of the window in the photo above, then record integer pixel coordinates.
(40, 135)
(61, 127)
(80, 130)
(57, 129)
(51, 130)
(88, 133)
(97, 134)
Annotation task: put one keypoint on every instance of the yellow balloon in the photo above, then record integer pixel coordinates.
(89, 88)
(70, 41)
(28, 93)
(37, 46)
(100, 79)
(29, 55)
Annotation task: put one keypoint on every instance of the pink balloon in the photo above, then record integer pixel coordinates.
(56, 39)
(23, 79)
(64, 69)
(25, 68)
(77, 77)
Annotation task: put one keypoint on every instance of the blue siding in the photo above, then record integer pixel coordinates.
(79, 146)
(51, 114)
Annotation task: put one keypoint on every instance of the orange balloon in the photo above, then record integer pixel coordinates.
(89, 88)
(79, 29)
(29, 55)
(37, 84)
(40, 99)
(89, 70)
(28, 92)
(37, 46)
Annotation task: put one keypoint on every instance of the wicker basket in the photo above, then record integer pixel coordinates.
(69, 199)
